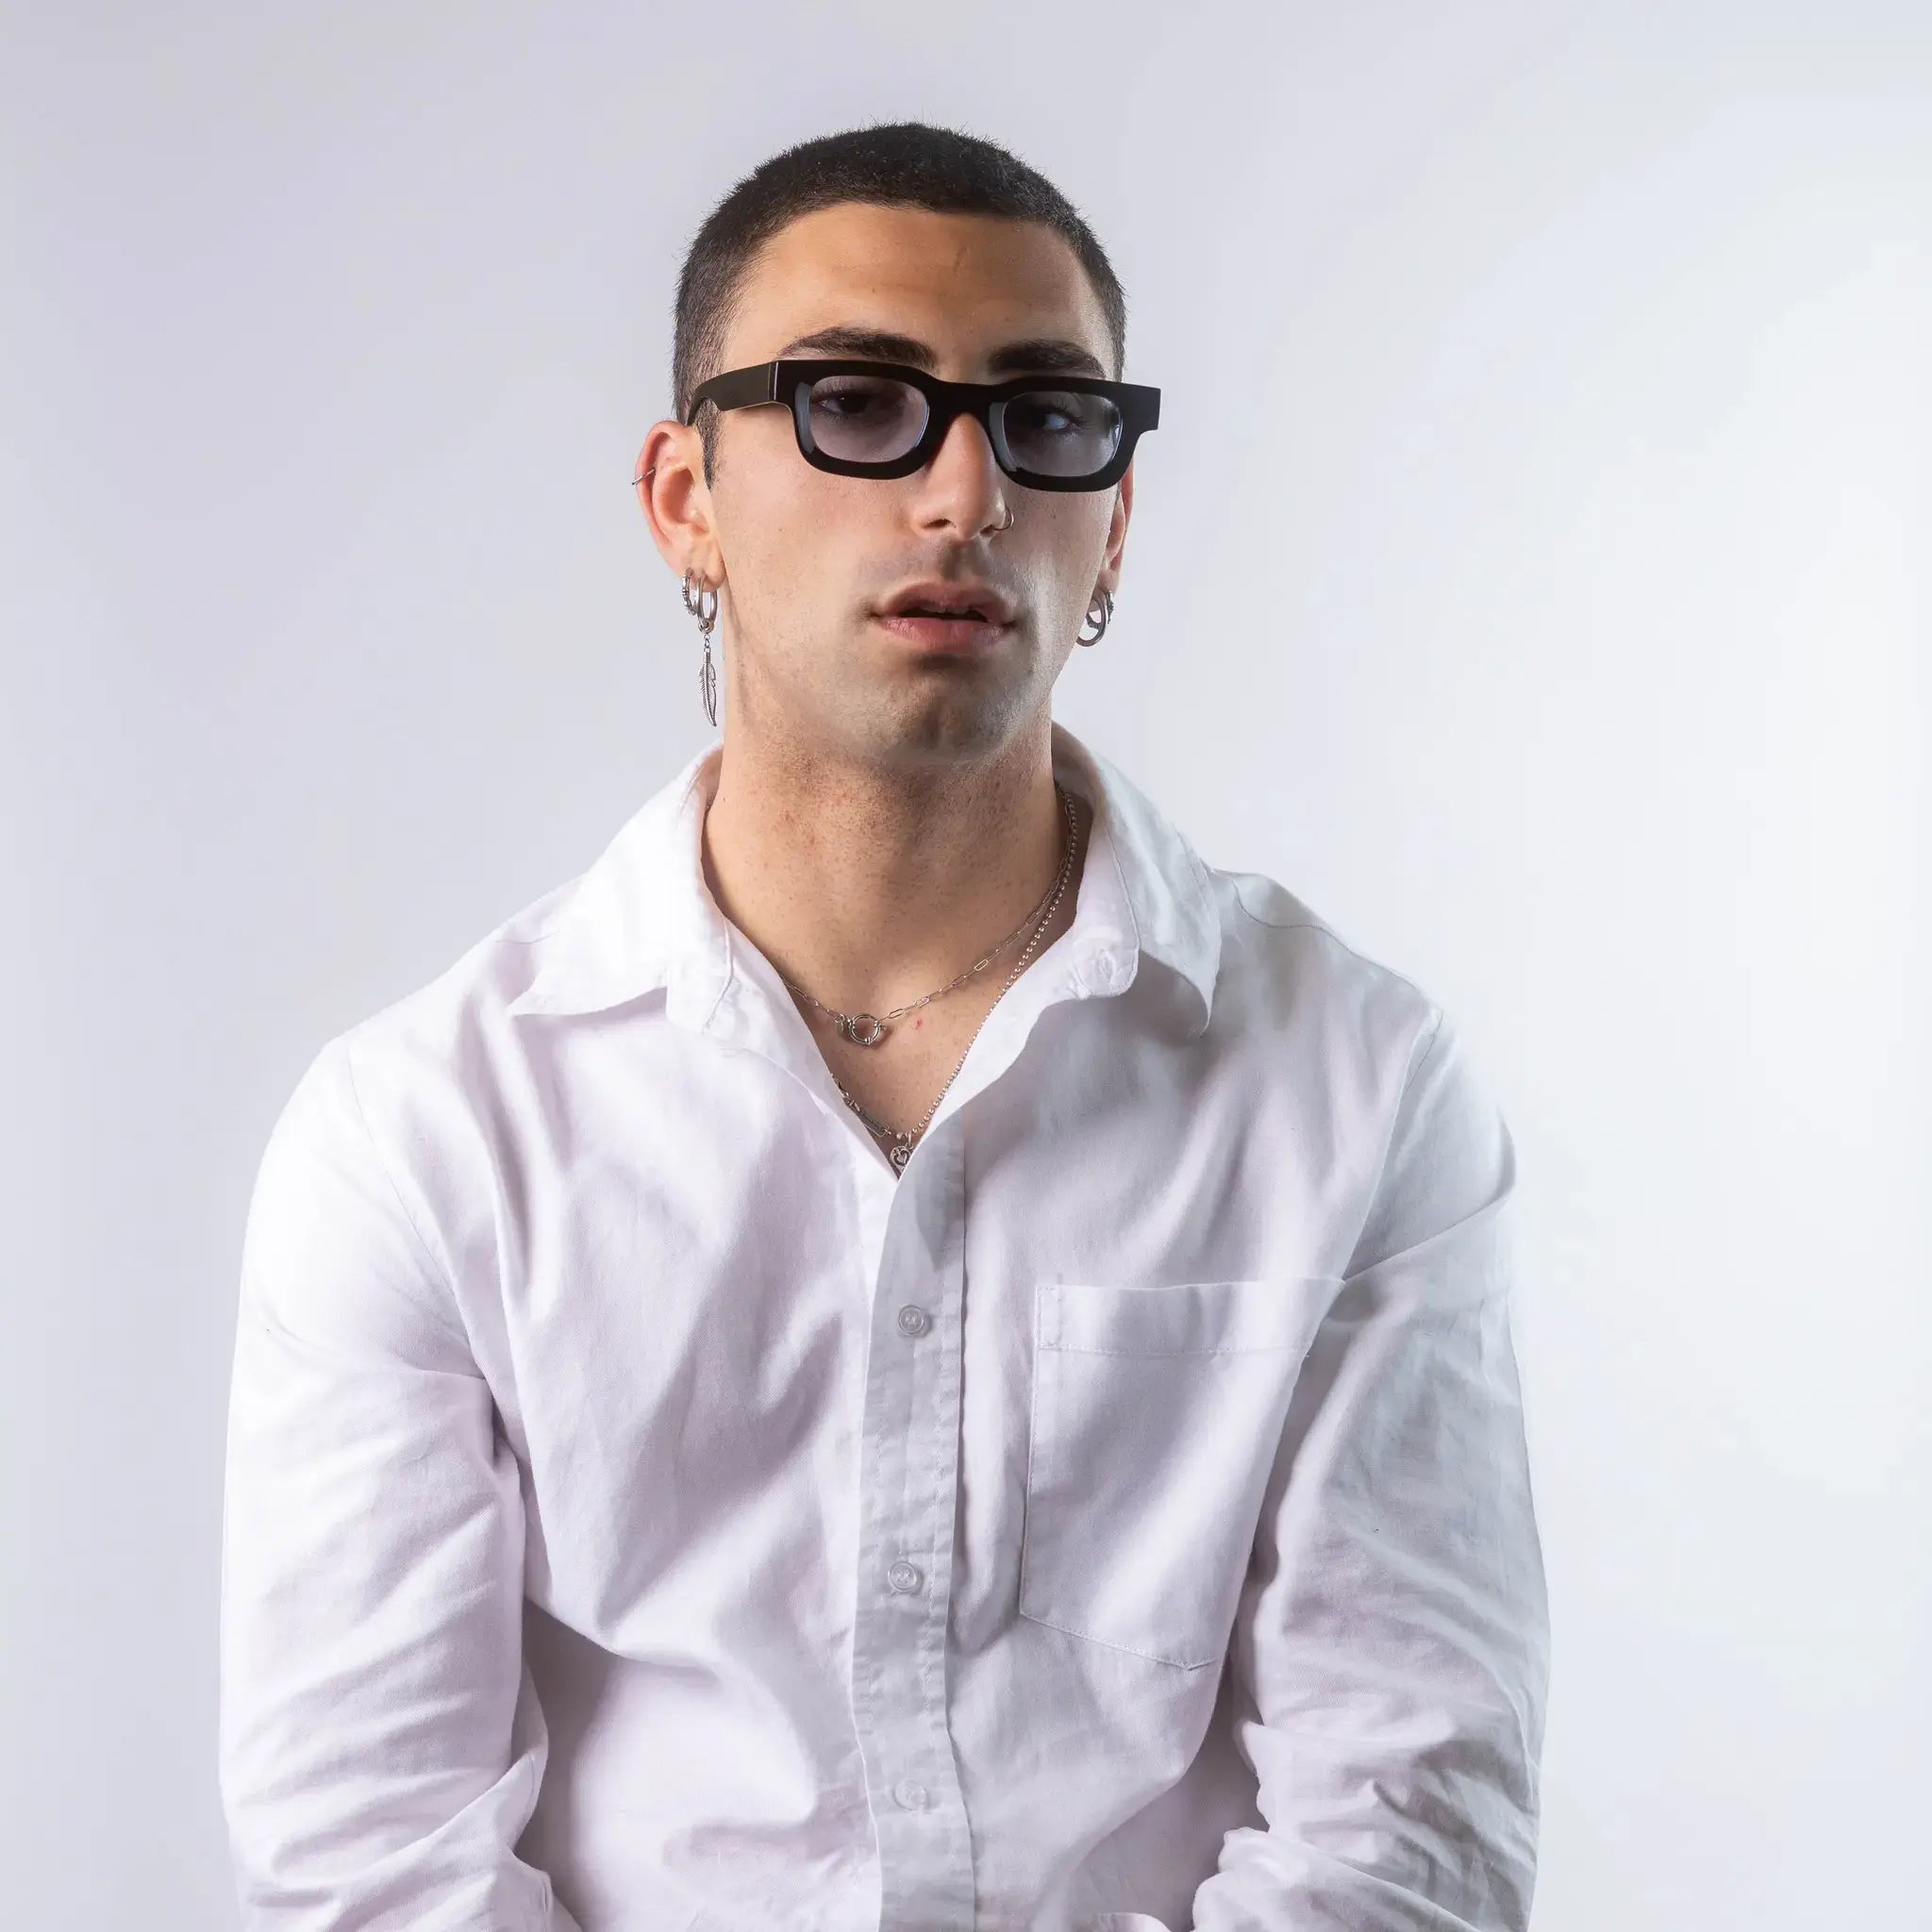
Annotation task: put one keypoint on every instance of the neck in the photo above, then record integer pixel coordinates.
(870, 887)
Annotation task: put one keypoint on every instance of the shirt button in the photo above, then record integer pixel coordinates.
(913, 1321)
(904, 1577)
(910, 1793)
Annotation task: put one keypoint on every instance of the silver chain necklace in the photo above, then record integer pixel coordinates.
(868, 1029)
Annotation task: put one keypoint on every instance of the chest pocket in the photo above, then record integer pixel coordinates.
(1157, 1413)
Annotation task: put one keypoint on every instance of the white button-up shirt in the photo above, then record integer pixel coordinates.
(648, 1512)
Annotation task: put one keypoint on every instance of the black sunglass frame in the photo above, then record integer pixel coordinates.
(789, 381)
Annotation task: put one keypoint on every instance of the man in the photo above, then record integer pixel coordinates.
(902, 1352)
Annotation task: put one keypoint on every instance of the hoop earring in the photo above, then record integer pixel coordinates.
(695, 603)
(1105, 619)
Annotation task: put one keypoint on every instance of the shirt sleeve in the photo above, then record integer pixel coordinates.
(380, 1743)
(1391, 1646)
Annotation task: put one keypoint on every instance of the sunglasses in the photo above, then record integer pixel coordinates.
(887, 418)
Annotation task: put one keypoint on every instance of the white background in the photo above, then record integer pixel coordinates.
(1530, 570)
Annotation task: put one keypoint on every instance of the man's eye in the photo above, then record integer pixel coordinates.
(1045, 416)
(852, 399)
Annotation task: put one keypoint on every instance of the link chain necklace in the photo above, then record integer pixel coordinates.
(869, 1029)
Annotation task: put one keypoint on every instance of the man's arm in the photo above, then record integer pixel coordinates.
(1391, 1647)
(380, 1745)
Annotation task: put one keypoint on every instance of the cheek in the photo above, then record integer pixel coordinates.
(801, 549)
(1070, 524)
(824, 553)
(1067, 546)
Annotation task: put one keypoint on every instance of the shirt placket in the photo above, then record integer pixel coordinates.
(909, 1437)
(908, 1487)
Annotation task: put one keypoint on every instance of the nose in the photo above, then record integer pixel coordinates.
(962, 488)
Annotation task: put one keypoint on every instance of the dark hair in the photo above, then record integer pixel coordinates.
(888, 164)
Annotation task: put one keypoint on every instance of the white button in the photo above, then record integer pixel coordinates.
(904, 1577)
(910, 1793)
(913, 1321)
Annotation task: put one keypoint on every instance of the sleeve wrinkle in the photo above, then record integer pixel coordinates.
(254, 1308)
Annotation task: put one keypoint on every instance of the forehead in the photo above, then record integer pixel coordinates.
(963, 283)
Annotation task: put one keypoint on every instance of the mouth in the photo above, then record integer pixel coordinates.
(942, 630)
(963, 616)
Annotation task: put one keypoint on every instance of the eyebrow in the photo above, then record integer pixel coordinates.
(1010, 358)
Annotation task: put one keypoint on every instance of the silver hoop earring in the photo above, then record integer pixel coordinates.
(1105, 619)
(694, 595)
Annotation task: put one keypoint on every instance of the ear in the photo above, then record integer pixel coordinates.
(1110, 576)
(670, 481)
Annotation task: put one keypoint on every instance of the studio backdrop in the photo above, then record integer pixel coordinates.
(1530, 571)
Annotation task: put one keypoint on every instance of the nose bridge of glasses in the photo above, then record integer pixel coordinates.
(951, 415)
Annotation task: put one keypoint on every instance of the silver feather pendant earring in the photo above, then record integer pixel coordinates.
(694, 595)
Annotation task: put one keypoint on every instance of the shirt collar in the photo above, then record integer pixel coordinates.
(642, 917)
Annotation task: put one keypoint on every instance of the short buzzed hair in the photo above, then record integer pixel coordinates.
(887, 164)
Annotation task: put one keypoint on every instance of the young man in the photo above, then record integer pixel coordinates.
(903, 1352)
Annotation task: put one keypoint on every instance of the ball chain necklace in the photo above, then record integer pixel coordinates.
(869, 1029)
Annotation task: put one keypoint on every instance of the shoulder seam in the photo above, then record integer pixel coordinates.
(437, 1268)
(1327, 932)
(1434, 1034)
(1394, 1122)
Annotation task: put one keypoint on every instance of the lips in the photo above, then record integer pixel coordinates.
(943, 636)
(952, 631)
(958, 600)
